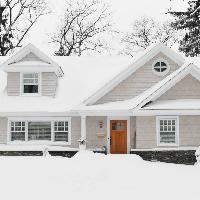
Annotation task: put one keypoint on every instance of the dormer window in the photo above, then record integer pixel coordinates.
(30, 83)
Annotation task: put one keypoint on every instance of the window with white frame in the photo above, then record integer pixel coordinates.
(160, 67)
(39, 131)
(50, 131)
(30, 83)
(61, 130)
(17, 131)
(167, 129)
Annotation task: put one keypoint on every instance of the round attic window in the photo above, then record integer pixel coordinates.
(160, 67)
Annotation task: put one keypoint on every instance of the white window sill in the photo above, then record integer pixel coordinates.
(35, 142)
(167, 145)
(30, 94)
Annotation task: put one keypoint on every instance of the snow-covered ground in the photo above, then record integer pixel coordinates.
(96, 177)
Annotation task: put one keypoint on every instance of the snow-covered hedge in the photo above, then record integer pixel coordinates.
(197, 154)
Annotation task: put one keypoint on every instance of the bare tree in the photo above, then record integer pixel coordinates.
(84, 23)
(18, 17)
(145, 32)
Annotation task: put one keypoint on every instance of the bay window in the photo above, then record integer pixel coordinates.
(167, 131)
(46, 131)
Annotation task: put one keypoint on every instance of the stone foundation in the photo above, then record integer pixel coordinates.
(68, 154)
(186, 157)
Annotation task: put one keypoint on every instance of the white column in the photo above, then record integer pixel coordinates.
(83, 132)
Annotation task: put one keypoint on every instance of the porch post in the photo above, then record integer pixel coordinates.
(83, 133)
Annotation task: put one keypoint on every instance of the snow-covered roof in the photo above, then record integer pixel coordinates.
(16, 60)
(177, 104)
(82, 77)
(139, 60)
(147, 96)
(87, 76)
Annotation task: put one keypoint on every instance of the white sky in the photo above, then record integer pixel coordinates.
(124, 13)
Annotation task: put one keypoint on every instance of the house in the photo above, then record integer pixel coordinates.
(123, 105)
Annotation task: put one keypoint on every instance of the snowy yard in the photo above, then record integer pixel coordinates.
(96, 177)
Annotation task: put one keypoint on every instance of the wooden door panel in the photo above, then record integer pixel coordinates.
(118, 135)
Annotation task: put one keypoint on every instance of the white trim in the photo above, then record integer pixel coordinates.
(39, 119)
(158, 118)
(25, 51)
(161, 73)
(148, 54)
(128, 131)
(165, 112)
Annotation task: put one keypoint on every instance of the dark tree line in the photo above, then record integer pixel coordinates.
(189, 21)
(86, 24)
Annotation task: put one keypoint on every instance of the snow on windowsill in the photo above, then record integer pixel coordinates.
(34, 147)
(167, 149)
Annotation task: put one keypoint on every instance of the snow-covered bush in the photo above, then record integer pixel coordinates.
(197, 154)
(46, 152)
(82, 144)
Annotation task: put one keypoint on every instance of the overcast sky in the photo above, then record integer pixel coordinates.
(124, 12)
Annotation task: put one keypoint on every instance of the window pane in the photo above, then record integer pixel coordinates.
(167, 137)
(163, 69)
(157, 69)
(28, 75)
(29, 81)
(117, 126)
(30, 88)
(163, 64)
(18, 136)
(39, 131)
(157, 64)
(17, 123)
(61, 136)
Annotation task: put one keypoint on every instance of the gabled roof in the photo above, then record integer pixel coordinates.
(44, 60)
(161, 87)
(138, 62)
(136, 103)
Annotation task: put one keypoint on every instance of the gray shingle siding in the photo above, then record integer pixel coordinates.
(13, 83)
(49, 84)
(138, 82)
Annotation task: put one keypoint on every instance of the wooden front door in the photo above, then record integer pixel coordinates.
(118, 136)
